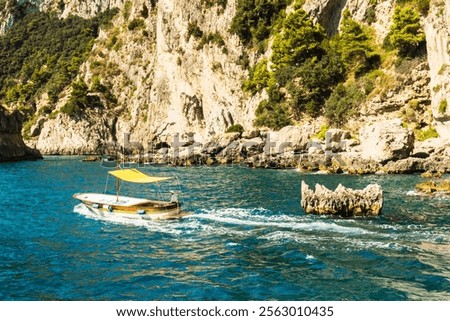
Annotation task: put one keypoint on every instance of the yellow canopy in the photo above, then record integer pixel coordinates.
(135, 176)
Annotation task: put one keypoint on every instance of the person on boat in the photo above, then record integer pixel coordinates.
(174, 198)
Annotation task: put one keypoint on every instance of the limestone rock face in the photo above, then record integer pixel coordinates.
(354, 163)
(385, 141)
(329, 13)
(411, 84)
(326, 12)
(12, 147)
(336, 139)
(168, 81)
(65, 136)
(220, 142)
(289, 138)
(165, 80)
(405, 166)
(343, 201)
(8, 11)
(437, 29)
(85, 9)
(424, 149)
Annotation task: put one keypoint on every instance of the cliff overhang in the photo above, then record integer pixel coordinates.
(12, 146)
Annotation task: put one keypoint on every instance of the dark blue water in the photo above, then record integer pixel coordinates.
(245, 239)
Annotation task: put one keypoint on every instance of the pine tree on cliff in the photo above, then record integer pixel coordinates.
(406, 34)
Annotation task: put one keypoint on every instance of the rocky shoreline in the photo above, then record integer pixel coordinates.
(383, 148)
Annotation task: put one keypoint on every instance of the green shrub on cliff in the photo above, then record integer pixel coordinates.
(406, 34)
(321, 134)
(80, 99)
(314, 82)
(136, 23)
(356, 47)
(305, 69)
(299, 40)
(236, 128)
(422, 5)
(258, 78)
(214, 38)
(194, 31)
(309, 73)
(128, 5)
(99, 88)
(43, 53)
(343, 103)
(426, 133)
(254, 19)
(211, 3)
(443, 106)
(272, 115)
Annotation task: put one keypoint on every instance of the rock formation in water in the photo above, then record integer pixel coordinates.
(434, 186)
(12, 147)
(343, 201)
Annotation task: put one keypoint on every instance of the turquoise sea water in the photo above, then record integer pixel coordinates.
(246, 238)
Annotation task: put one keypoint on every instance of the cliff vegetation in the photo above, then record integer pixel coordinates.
(82, 72)
(310, 73)
(43, 54)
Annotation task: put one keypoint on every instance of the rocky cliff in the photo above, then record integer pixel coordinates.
(437, 28)
(166, 80)
(12, 147)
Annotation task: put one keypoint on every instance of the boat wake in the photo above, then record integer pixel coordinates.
(262, 218)
(238, 224)
(413, 193)
(235, 219)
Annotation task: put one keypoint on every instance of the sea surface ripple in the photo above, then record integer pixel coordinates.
(245, 238)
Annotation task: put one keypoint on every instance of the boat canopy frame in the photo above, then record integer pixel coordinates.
(133, 175)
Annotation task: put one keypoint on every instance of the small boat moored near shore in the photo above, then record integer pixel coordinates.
(132, 207)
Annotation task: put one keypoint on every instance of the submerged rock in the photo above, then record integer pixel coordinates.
(343, 201)
(91, 158)
(429, 187)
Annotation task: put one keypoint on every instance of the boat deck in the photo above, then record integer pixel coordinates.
(109, 199)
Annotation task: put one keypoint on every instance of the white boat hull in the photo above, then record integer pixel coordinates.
(129, 207)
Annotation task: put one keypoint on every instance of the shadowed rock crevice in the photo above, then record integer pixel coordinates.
(327, 13)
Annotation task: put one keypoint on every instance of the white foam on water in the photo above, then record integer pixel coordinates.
(176, 227)
(232, 244)
(282, 228)
(287, 236)
(85, 211)
(257, 218)
(234, 221)
(247, 217)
